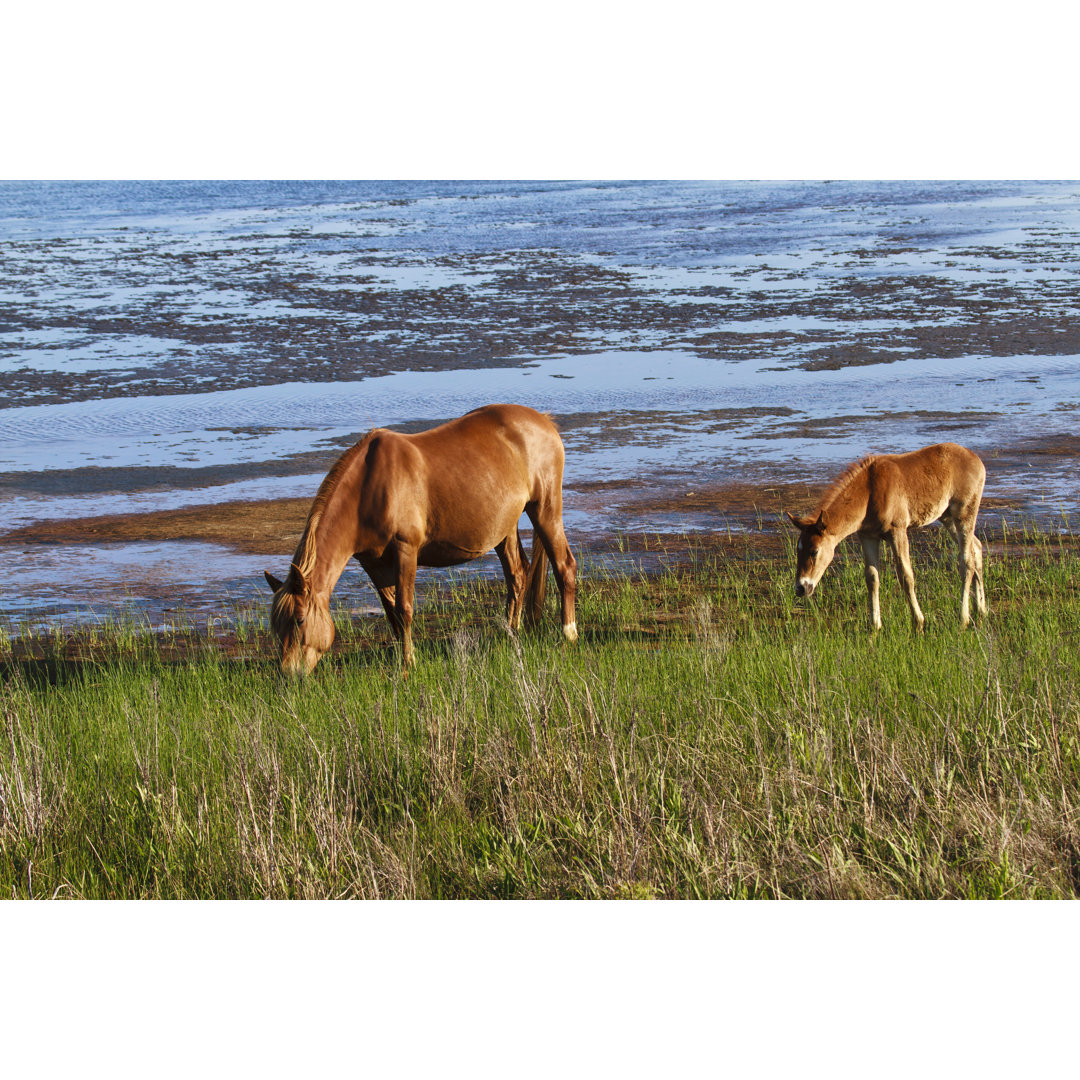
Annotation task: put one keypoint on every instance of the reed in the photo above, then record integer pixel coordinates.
(707, 737)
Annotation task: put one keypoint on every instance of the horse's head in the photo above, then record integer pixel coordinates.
(300, 620)
(814, 552)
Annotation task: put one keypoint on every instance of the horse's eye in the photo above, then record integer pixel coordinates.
(300, 620)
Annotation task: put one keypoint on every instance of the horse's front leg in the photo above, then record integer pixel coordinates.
(898, 541)
(403, 597)
(383, 578)
(871, 549)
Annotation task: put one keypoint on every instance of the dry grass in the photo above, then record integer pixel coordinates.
(706, 738)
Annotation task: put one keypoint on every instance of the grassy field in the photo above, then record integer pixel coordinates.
(707, 737)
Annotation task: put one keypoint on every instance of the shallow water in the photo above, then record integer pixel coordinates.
(165, 345)
(86, 583)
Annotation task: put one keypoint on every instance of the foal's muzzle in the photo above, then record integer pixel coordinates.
(804, 588)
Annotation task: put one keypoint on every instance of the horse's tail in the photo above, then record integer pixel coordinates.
(536, 582)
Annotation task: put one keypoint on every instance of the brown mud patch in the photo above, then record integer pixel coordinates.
(756, 508)
(272, 527)
(506, 307)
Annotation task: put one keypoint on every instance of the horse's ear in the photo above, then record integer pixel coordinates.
(272, 581)
(793, 519)
(295, 571)
(821, 524)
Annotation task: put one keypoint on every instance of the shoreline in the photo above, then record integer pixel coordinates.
(273, 527)
(205, 562)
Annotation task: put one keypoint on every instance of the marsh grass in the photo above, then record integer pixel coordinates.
(707, 737)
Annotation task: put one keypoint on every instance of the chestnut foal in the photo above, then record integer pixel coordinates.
(880, 498)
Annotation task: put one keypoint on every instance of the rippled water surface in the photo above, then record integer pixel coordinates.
(177, 344)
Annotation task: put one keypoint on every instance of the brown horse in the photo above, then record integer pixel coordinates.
(880, 498)
(438, 498)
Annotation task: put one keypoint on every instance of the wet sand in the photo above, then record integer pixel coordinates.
(201, 567)
(204, 562)
(273, 527)
(269, 528)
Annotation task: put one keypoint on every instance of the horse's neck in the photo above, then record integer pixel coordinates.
(333, 550)
(328, 568)
(845, 509)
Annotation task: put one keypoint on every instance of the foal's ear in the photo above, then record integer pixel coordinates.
(272, 581)
(821, 524)
(793, 519)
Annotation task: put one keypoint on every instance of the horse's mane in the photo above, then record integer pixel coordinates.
(840, 484)
(307, 550)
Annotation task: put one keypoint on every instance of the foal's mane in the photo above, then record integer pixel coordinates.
(840, 484)
(307, 550)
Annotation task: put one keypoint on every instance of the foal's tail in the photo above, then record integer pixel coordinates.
(536, 582)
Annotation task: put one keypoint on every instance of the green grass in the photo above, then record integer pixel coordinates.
(707, 737)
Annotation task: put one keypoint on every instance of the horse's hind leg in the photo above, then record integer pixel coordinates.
(511, 556)
(898, 541)
(548, 529)
(980, 581)
(966, 563)
(971, 570)
(969, 562)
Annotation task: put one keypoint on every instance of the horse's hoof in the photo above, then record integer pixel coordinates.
(570, 631)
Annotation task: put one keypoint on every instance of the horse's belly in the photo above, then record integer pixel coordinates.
(445, 554)
(451, 539)
(930, 511)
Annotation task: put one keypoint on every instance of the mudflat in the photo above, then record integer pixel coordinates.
(273, 527)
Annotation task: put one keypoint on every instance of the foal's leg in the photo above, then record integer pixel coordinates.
(509, 551)
(871, 549)
(977, 556)
(898, 541)
(971, 569)
(966, 563)
(548, 528)
(960, 520)
(980, 582)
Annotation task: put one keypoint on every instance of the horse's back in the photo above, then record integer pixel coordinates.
(924, 484)
(952, 466)
(456, 490)
(507, 443)
(527, 431)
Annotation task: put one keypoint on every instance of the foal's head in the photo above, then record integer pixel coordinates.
(301, 621)
(814, 553)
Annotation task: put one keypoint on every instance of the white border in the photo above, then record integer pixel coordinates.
(568, 89)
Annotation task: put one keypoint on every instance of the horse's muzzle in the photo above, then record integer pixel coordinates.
(804, 588)
(300, 663)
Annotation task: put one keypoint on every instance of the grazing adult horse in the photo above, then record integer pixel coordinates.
(438, 498)
(880, 498)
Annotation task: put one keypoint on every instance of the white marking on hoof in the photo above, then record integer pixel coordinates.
(570, 630)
